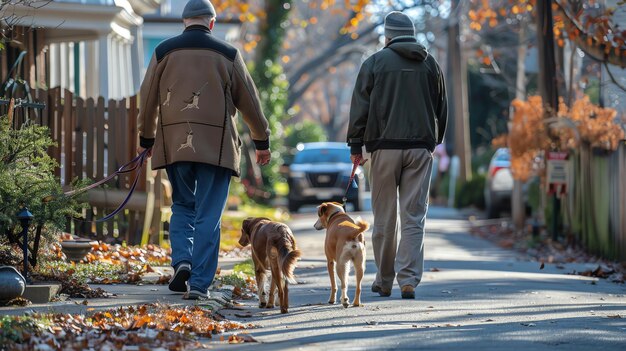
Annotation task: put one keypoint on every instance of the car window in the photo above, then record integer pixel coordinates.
(502, 156)
(323, 156)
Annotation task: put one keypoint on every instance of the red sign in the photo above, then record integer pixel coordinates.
(558, 172)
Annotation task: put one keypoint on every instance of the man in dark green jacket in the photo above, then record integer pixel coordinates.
(399, 112)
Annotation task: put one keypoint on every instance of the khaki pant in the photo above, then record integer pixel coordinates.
(399, 177)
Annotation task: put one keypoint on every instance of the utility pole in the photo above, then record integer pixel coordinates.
(548, 85)
(457, 94)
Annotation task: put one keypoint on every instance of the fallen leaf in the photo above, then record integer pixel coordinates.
(542, 266)
(240, 338)
(614, 316)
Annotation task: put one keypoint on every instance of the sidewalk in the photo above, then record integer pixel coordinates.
(474, 296)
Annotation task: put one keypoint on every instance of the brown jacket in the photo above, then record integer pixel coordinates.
(188, 101)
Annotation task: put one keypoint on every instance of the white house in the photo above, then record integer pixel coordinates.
(91, 47)
(167, 22)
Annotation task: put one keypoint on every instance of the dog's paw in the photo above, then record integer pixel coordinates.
(283, 310)
(345, 305)
(269, 305)
(332, 302)
(357, 304)
(262, 305)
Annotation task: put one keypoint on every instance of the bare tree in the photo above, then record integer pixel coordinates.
(8, 16)
(337, 46)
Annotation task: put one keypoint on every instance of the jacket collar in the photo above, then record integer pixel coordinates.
(198, 27)
(403, 39)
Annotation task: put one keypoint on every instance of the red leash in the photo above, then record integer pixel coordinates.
(357, 162)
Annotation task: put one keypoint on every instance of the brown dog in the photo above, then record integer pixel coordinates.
(344, 243)
(274, 249)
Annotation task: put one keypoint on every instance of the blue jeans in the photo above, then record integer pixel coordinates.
(199, 197)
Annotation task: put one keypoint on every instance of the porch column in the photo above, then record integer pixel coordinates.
(92, 72)
(136, 57)
(103, 65)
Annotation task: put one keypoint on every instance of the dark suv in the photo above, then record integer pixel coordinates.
(320, 172)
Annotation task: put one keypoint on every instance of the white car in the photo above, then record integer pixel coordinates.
(499, 184)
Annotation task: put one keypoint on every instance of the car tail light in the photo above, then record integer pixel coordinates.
(494, 169)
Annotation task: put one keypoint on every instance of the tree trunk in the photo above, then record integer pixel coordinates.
(517, 199)
(457, 92)
(548, 85)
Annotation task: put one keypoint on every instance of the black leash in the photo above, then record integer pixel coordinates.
(357, 161)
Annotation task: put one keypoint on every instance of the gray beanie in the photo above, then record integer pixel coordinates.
(199, 8)
(397, 24)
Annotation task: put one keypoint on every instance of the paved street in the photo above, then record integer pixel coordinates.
(474, 296)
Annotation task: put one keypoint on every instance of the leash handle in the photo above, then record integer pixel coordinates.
(355, 165)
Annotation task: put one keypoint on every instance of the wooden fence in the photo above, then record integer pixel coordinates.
(93, 139)
(597, 201)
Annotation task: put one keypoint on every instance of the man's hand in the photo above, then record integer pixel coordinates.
(148, 154)
(360, 157)
(263, 157)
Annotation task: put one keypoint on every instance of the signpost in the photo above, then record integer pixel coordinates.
(557, 179)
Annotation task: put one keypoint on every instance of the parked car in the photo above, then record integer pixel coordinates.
(498, 183)
(320, 172)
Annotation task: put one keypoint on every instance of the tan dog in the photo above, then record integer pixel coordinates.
(344, 243)
(274, 249)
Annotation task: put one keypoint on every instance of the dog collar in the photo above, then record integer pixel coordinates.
(333, 215)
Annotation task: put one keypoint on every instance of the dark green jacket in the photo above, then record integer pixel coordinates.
(399, 100)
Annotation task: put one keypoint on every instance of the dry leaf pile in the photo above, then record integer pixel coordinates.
(71, 286)
(122, 254)
(108, 264)
(147, 327)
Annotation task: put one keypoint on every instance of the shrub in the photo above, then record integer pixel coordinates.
(27, 179)
(471, 193)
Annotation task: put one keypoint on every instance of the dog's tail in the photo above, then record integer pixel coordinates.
(288, 261)
(288, 256)
(359, 227)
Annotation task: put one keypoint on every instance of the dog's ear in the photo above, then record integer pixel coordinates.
(321, 209)
(245, 226)
(244, 240)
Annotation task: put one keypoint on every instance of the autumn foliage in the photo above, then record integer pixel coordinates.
(584, 122)
(591, 23)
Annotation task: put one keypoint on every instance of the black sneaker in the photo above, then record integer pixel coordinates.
(178, 283)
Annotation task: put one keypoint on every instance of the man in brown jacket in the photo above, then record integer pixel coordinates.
(193, 87)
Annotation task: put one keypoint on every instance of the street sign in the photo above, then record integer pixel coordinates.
(558, 172)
